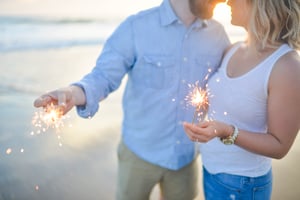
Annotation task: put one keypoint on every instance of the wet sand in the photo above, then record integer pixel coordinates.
(82, 164)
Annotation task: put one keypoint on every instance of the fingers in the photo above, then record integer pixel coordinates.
(62, 100)
(57, 97)
(42, 101)
(204, 124)
(200, 133)
(191, 131)
(191, 127)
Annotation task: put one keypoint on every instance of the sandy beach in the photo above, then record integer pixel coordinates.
(82, 163)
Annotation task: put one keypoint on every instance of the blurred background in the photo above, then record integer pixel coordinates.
(44, 45)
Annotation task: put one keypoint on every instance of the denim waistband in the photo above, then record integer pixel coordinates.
(242, 179)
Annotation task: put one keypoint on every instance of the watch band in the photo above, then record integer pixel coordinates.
(231, 139)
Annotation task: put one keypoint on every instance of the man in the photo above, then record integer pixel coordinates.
(162, 50)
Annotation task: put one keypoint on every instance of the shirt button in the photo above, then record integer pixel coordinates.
(158, 64)
(185, 59)
(178, 142)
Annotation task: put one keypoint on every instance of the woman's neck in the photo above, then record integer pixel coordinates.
(254, 49)
(260, 46)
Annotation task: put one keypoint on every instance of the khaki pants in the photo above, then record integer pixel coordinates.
(137, 178)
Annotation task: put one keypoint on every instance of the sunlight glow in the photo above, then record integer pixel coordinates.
(222, 13)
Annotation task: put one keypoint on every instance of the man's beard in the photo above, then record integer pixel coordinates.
(201, 10)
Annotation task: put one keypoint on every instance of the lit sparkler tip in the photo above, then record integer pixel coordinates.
(51, 117)
(197, 97)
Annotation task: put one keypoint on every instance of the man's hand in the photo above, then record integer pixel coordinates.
(65, 98)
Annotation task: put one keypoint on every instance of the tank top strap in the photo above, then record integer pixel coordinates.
(268, 64)
(274, 57)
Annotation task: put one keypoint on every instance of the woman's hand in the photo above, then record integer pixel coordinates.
(207, 130)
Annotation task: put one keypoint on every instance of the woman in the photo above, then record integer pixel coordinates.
(254, 106)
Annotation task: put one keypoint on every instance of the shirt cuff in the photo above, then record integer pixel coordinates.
(91, 107)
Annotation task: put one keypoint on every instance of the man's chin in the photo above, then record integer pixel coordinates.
(206, 15)
(205, 12)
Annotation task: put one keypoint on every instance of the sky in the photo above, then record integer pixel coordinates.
(74, 8)
(85, 8)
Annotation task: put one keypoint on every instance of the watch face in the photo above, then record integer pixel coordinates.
(228, 141)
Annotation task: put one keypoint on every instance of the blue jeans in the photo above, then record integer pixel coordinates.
(232, 187)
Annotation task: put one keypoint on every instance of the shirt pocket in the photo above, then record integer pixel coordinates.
(156, 72)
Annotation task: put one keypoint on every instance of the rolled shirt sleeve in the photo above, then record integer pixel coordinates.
(116, 58)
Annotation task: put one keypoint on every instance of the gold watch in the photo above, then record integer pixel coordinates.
(231, 139)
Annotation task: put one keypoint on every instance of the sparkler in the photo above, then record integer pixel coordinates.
(50, 117)
(197, 97)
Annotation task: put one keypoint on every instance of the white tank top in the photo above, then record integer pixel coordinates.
(241, 101)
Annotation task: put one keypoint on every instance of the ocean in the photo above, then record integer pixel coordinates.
(19, 33)
(36, 33)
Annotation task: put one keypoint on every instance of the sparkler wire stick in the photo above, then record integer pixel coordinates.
(195, 114)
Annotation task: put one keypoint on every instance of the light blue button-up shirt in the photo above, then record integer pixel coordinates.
(161, 57)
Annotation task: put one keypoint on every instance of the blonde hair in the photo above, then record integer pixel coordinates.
(275, 22)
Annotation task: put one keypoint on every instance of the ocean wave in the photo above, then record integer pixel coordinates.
(47, 20)
(27, 33)
(14, 88)
(17, 46)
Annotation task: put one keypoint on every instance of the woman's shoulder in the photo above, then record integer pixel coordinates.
(287, 69)
(289, 63)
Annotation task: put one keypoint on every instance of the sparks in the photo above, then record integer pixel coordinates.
(8, 151)
(197, 97)
(50, 117)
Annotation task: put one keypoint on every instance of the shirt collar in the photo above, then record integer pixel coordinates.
(200, 23)
(168, 16)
